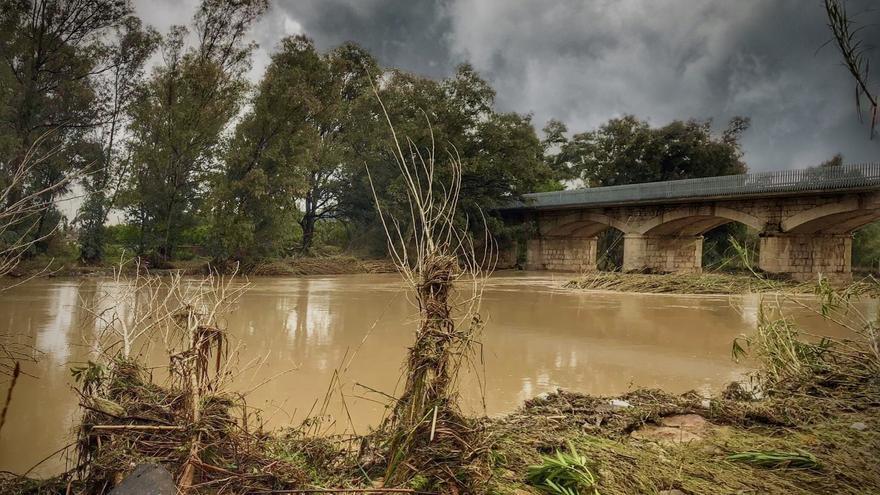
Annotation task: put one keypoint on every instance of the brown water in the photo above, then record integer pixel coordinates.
(294, 332)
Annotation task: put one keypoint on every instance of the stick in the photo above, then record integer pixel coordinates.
(15, 372)
(136, 427)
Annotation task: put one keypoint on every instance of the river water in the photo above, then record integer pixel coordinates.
(295, 333)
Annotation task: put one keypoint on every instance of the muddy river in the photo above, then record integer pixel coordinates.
(294, 333)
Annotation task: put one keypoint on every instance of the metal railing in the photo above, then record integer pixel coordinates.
(819, 179)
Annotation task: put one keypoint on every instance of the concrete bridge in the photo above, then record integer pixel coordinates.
(805, 220)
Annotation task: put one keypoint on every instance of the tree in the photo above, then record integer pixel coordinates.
(331, 132)
(135, 44)
(296, 144)
(500, 154)
(629, 151)
(177, 119)
(52, 52)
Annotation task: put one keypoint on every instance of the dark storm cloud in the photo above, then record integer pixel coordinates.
(587, 61)
(401, 33)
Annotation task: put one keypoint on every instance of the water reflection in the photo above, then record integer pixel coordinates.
(295, 333)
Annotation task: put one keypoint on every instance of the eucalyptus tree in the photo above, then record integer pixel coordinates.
(52, 53)
(177, 121)
(501, 156)
(292, 150)
(117, 88)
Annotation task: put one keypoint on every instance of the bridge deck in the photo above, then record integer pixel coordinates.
(854, 177)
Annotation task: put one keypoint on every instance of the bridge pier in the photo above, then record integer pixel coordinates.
(804, 256)
(562, 253)
(662, 253)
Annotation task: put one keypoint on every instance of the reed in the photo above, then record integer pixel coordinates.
(438, 260)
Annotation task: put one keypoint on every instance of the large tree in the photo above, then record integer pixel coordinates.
(293, 148)
(52, 53)
(107, 145)
(178, 118)
(627, 150)
(500, 153)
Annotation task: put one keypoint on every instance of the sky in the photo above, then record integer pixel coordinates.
(586, 61)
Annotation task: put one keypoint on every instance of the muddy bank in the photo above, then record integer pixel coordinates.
(298, 266)
(810, 438)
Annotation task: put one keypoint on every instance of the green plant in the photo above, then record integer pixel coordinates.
(777, 460)
(565, 473)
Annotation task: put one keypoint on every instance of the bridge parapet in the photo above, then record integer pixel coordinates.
(851, 178)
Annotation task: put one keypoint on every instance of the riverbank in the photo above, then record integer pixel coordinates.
(293, 266)
(699, 283)
(816, 436)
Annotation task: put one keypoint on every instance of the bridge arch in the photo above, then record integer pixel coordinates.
(583, 224)
(842, 217)
(696, 221)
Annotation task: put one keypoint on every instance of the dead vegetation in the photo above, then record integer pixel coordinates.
(695, 283)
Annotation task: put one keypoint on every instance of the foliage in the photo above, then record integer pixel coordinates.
(855, 54)
(135, 44)
(297, 142)
(565, 473)
(500, 154)
(627, 150)
(177, 119)
(776, 460)
(866, 248)
(54, 52)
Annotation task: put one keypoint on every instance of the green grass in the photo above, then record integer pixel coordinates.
(565, 473)
(777, 460)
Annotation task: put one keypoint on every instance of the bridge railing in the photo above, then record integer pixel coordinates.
(843, 177)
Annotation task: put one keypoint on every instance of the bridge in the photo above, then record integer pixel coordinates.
(805, 220)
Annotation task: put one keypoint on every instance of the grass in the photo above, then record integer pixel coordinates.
(565, 473)
(776, 460)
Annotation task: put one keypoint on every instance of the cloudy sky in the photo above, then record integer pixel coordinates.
(586, 61)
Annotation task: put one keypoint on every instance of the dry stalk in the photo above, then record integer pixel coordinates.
(435, 257)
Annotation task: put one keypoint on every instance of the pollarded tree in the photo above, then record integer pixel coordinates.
(177, 120)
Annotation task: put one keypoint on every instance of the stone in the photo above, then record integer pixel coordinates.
(859, 426)
(619, 404)
(147, 479)
(706, 404)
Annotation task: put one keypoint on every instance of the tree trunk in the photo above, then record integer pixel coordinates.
(308, 232)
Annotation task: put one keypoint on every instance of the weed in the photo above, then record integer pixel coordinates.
(565, 473)
(777, 460)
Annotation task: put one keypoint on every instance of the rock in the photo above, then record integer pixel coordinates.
(706, 404)
(686, 421)
(147, 479)
(619, 404)
(859, 426)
